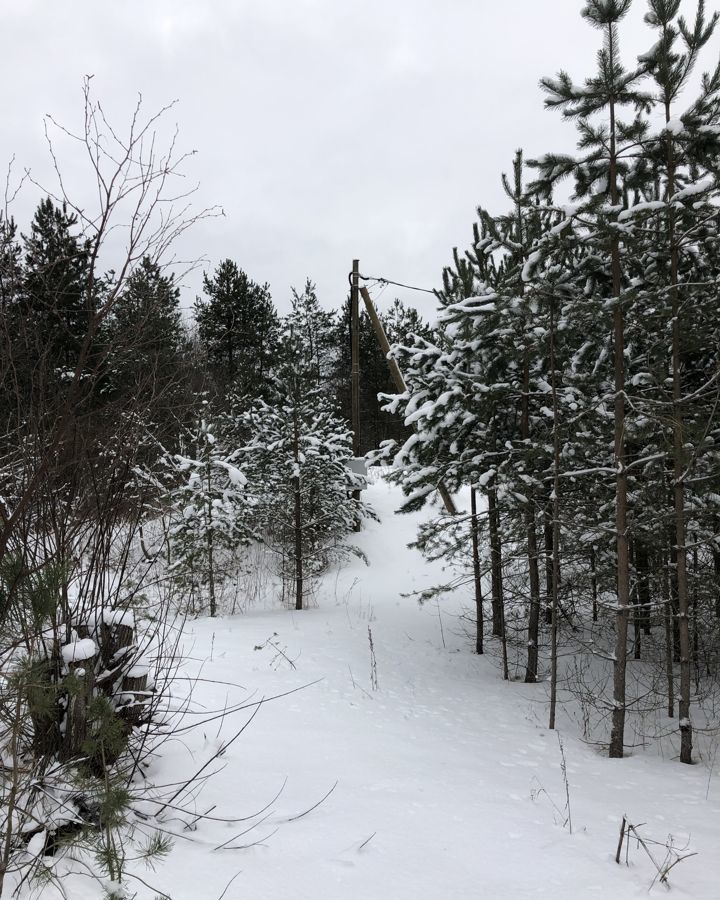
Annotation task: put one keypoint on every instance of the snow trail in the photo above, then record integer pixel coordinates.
(445, 778)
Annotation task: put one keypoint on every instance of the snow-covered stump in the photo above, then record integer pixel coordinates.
(135, 696)
(79, 657)
(121, 677)
(116, 633)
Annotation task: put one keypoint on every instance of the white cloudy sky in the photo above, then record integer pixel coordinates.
(326, 129)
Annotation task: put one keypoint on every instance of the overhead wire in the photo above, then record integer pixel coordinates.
(387, 281)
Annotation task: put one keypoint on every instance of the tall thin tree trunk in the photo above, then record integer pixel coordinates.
(635, 596)
(211, 573)
(548, 540)
(668, 616)
(695, 629)
(594, 584)
(679, 474)
(297, 517)
(476, 573)
(210, 550)
(495, 565)
(674, 595)
(556, 524)
(617, 735)
(531, 671)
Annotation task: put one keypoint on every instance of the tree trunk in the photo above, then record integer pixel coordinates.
(674, 596)
(637, 642)
(555, 525)
(531, 672)
(617, 735)
(297, 518)
(548, 540)
(210, 551)
(476, 573)
(211, 574)
(668, 616)
(495, 565)
(679, 476)
(594, 584)
(695, 631)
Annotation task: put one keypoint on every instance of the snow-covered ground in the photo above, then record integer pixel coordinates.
(447, 782)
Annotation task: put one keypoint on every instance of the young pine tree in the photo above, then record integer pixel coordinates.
(209, 511)
(598, 189)
(297, 460)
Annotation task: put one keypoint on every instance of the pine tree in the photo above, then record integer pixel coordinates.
(597, 184)
(684, 146)
(149, 349)
(314, 328)
(239, 329)
(10, 264)
(209, 511)
(13, 338)
(57, 299)
(297, 461)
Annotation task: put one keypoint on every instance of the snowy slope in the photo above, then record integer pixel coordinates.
(445, 776)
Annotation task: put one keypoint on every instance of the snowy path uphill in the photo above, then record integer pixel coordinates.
(439, 772)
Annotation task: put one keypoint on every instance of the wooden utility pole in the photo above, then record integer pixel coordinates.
(398, 380)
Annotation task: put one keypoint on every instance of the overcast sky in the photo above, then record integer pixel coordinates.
(326, 129)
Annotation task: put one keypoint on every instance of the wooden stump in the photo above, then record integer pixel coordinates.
(134, 689)
(78, 699)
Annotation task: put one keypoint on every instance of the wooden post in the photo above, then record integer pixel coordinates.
(399, 381)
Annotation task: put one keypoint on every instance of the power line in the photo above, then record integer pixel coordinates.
(386, 281)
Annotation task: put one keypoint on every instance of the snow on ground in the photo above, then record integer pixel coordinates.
(445, 776)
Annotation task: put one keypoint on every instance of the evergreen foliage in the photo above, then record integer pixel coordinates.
(209, 514)
(57, 299)
(573, 375)
(297, 463)
(148, 364)
(238, 328)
